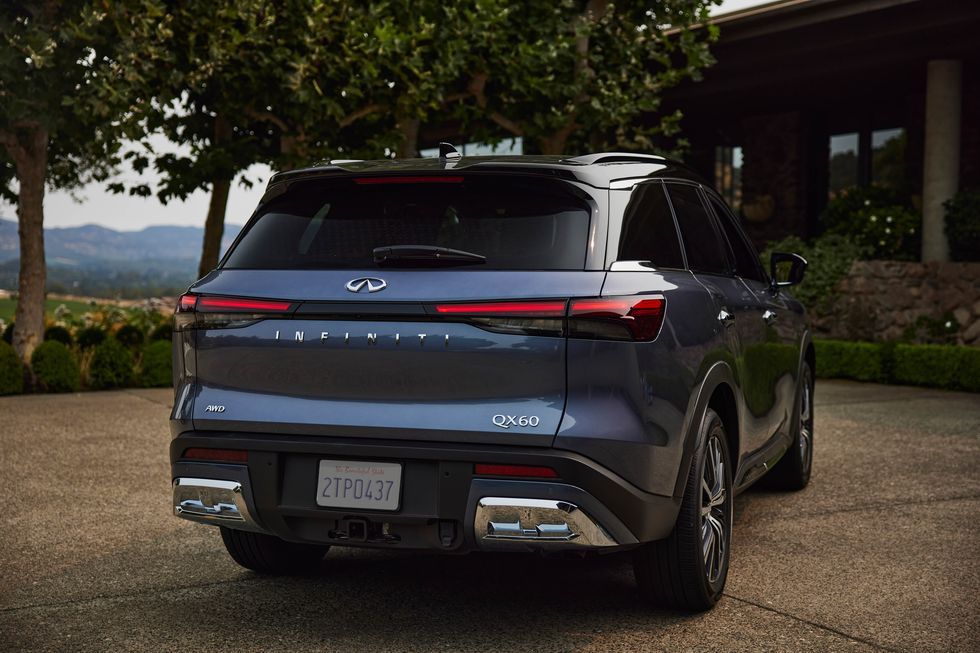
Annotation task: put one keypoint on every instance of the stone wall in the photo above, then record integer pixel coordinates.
(879, 300)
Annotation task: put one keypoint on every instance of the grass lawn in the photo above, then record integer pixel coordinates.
(7, 306)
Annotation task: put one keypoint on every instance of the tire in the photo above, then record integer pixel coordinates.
(268, 554)
(792, 472)
(677, 573)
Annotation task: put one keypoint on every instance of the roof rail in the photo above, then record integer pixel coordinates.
(612, 157)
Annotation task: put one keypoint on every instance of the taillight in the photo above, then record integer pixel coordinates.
(636, 318)
(528, 317)
(525, 471)
(616, 318)
(208, 312)
(554, 308)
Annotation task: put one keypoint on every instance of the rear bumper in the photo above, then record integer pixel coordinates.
(444, 505)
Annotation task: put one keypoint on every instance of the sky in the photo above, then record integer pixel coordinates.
(125, 213)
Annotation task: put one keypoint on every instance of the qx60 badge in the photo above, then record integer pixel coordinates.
(372, 284)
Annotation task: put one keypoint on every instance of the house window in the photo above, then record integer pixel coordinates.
(728, 175)
(867, 158)
(844, 164)
(888, 158)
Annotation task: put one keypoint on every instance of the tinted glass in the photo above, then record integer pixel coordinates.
(705, 250)
(516, 223)
(649, 233)
(746, 259)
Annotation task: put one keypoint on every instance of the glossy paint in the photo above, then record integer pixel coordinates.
(634, 408)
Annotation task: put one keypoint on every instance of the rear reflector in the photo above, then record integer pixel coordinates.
(216, 455)
(528, 471)
(230, 304)
(502, 309)
(368, 181)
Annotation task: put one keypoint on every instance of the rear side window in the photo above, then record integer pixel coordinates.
(746, 259)
(702, 243)
(649, 232)
(517, 223)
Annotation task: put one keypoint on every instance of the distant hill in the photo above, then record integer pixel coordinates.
(101, 262)
(69, 246)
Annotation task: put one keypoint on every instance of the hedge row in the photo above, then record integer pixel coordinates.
(949, 367)
(109, 364)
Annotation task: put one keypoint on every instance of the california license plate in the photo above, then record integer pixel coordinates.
(355, 484)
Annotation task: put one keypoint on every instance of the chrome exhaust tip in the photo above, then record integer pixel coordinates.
(212, 501)
(507, 523)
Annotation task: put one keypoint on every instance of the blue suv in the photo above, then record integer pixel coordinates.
(522, 353)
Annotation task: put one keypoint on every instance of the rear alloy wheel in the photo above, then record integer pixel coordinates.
(687, 571)
(792, 472)
(268, 554)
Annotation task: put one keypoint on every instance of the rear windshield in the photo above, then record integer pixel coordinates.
(517, 223)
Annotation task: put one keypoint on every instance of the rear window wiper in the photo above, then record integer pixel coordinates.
(424, 256)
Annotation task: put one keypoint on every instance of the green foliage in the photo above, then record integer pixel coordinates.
(933, 330)
(828, 258)
(938, 366)
(58, 334)
(877, 220)
(11, 371)
(963, 225)
(8, 333)
(111, 366)
(951, 367)
(130, 335)
(163, 332)
(861, 361)
(90, 337)
(156, 367)
(55, 367)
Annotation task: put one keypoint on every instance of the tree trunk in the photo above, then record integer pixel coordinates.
(30, 155)
(409, 145)
(214, 224)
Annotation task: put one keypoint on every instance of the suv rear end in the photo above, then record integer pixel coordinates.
(440, 355)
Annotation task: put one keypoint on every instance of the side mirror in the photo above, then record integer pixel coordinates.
(797, 269)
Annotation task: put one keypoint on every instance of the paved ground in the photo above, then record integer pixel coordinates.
(881, 552)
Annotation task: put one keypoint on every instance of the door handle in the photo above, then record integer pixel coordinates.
(770, 316)
(726, 318)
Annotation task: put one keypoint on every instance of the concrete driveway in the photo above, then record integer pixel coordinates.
(881, 552)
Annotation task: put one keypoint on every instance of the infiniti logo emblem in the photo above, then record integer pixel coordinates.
(373, 284)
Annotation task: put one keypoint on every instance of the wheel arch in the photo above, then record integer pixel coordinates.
(717, 390)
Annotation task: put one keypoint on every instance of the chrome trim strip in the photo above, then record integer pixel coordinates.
(501, 522)
(212, 501)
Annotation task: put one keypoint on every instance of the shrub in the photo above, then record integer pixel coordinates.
(55, 367)
(111, 366)
(8, 334)
(876, 219)
(130, 335)
(11, 371)
(951, 367)
(861, 361)
(156, 367)
(963, 225)
(58, 334)
(928, 365)
(829, 258)
(90, 337)
(163, 332)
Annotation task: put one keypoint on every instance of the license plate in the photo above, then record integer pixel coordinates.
(357, 484)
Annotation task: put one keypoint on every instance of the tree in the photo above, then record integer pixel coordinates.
(66, 72)
(583, 75)
(234, 92)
